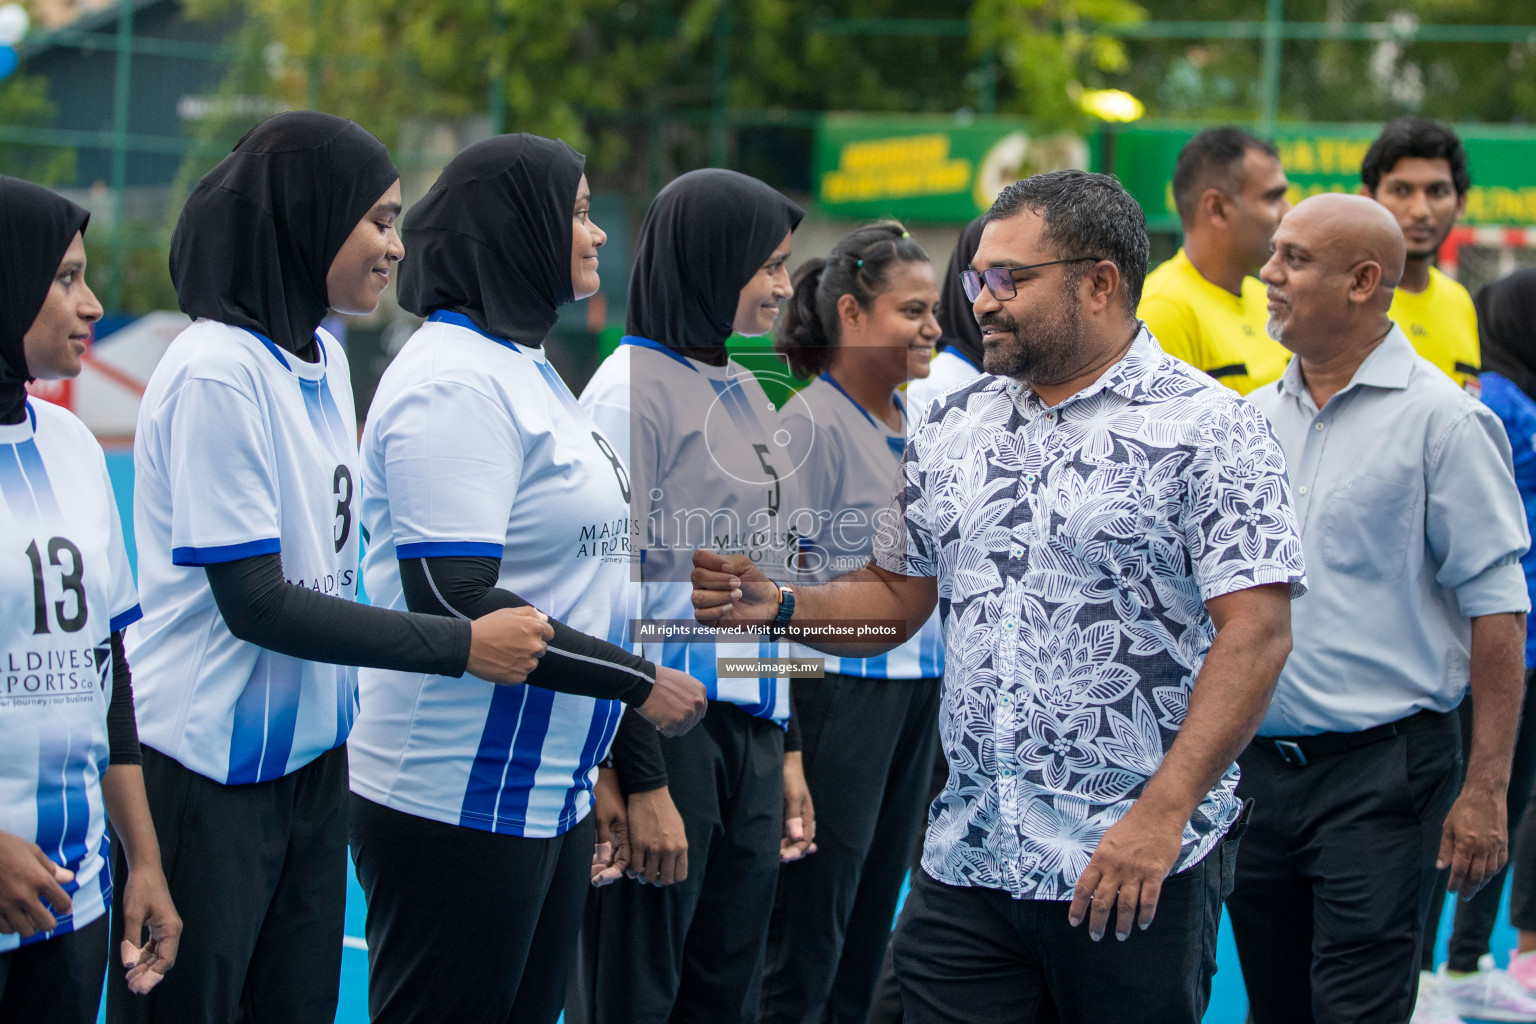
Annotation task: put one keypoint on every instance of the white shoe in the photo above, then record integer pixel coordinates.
(1432, 1007)
(1490, 994)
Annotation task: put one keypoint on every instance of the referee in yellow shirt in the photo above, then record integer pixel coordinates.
(1206, 305)
(1417, 168)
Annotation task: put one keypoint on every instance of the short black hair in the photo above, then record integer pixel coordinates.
(1085, 215)
(1213, 159)
(1419, 137)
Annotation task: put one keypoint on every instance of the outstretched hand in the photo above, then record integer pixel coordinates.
(732, 591)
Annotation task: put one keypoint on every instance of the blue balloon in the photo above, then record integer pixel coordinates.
(8, 61)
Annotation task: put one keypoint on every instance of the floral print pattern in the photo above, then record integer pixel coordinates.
(1075, 549)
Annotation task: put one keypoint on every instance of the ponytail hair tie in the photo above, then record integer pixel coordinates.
(858, 263)
(906, 234)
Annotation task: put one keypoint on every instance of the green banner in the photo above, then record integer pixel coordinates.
(1326, 158)
(930, 168)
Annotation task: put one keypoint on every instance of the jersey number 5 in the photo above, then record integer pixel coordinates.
(72, 582)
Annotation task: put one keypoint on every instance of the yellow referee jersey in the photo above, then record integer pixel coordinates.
(1210, 328)
(1442, 324)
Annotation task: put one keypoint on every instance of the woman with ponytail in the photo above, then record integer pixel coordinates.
(861, 322)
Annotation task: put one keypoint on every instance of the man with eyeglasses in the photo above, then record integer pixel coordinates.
(1108, 534)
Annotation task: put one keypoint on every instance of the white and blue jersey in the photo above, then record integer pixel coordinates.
(65, 587)
(474, 446)
(849, 467)
(242, 449)
(949, 369)
(707, 455)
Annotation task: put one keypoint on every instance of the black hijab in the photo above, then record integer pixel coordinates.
(955, 317)
(1506, 327)
(703, 238)
(492, 239)
(36, 227)
(259, 232)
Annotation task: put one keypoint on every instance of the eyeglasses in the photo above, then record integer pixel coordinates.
(1000, 281)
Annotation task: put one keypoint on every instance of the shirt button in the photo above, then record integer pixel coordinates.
(1008, 623)
(1007, 773)
(1030, 478)
(1302, 490)
(1318, 426)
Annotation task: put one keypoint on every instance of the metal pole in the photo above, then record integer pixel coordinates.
(496, 87)
(1269, 96)
(312, 67)
(718, 126)
(119, 173)
(986, 100)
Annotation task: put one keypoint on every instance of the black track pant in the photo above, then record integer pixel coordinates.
(57, 981)
(693, 951)
(259, 876)
(467, 926)
(1336, 873)
(968, 955)
(869, 750)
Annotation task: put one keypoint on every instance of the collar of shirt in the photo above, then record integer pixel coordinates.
(1388, 366)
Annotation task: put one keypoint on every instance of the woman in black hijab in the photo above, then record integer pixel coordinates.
(1506, 327)
(56, 496)
(702, 443)
(521, 508)
(245, 464)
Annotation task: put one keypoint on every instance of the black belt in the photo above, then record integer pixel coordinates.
(1298, 751)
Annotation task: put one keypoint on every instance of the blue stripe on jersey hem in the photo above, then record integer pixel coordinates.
(190, 556)
(126, 619)
(639, 342)
(448, 549)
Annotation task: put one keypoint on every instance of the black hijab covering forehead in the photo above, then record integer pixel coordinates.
(36, 227)
(492, 239)
(259, 232)
(704, 237)
(955, 317)
(1506, 327)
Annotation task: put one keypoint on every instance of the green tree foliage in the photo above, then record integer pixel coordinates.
(24, 103)
(1330, 80)
(622, 78)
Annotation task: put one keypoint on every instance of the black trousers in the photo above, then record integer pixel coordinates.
(885, 1004)
(869, 747)
(466, 926)
(259, 876)
(56, 981)
(968, 955)
(693, 951)
(1336, 875)
(1475, 918)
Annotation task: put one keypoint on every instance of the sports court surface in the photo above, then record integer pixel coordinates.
(1229, 1004)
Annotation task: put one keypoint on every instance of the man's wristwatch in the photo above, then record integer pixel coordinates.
(786, 612)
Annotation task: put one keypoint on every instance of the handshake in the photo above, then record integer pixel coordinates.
(506, 645)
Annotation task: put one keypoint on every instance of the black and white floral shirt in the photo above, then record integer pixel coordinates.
(1075, 548)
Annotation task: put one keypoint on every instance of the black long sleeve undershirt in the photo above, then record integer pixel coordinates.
(122, 729)
(262, 608)
(637, 759)
(465, 586)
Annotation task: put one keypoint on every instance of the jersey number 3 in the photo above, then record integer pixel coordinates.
(72, 582)
(341, 489)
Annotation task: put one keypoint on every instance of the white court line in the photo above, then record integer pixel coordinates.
(353, 942)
